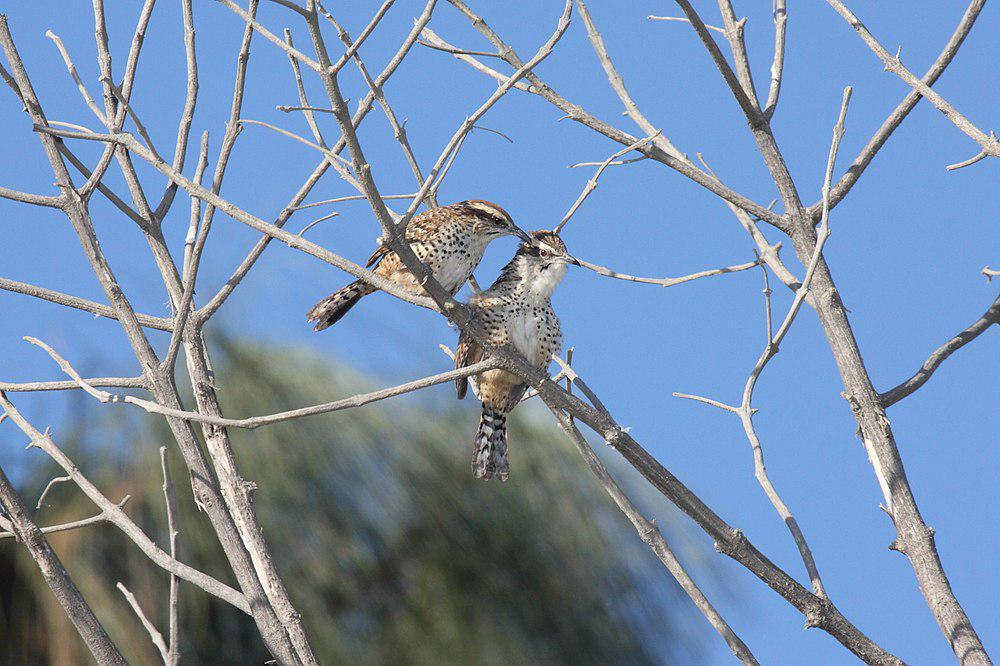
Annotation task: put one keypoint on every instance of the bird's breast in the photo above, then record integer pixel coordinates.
(525, 329)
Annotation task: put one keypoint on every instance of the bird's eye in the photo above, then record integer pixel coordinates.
(543, 254)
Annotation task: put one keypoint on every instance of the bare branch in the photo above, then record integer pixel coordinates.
(173, 655)
(253, 422)
(708, 401)
(683, 20)
(667, 282)
(102, 517)
(432, 40)
(618, 84)
(303, 98)
(91, 177)
(99, 309)
(336, 161)
(194, 244)
(920, 377)
(116, 382)
(592, 183)
(650, 534)
(353, 197)
(48, 487)
(154, 634)
(352, 48)
(187, 114)
(271, 37)
(28, 198)
(398, 129)
(438, 46)
(778, 63)
(895, 119)
(76, 76)
(746, 102)
(285, 108)
(981, 155)
(737, 45)
(317, 221)
(988, 142)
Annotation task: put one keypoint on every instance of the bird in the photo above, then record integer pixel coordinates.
(449, 239)
(516, 309)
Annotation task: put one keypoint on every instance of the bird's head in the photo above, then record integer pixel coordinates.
(543, 260)
(491, 221)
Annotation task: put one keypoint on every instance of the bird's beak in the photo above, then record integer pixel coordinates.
(569, 259)
(520, 233)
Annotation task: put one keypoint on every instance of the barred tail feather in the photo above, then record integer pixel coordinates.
(329, 311)
(490, 457)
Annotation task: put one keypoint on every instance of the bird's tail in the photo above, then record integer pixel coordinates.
(329, 311)
(490, 458)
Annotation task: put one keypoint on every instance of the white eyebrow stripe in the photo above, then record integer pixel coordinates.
(489, 210)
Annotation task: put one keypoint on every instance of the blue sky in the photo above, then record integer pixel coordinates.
(906, 249)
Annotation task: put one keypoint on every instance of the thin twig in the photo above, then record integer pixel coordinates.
(650, 533)
(708, 401)
(683, 20)
(116, 382)
(920, 377)
(102, 517)
(317, 221)
(353, 197)
(667, 282)
(99, 309)
(780, 12)
(172, 658)
(48, 487)
(154, 634)
(457, 51)
(592, 183)
(194, 245)
(398, 129)
(987, 141)
(305, 107)
(432, 40)
(257, 421)
(76, 76)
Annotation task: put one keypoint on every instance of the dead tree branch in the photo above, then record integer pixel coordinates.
(934, 361)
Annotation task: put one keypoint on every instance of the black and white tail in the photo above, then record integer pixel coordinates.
(490, 458)
(328, 312)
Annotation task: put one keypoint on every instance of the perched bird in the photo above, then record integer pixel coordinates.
(450, 240)
(517, 309)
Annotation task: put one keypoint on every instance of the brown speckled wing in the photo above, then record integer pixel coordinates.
(421, 228)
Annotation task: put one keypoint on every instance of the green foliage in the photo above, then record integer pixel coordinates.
(392, 552)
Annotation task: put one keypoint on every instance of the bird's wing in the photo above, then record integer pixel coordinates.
(468, 353)
(420, 228)
(515, 394)
(377, 255)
